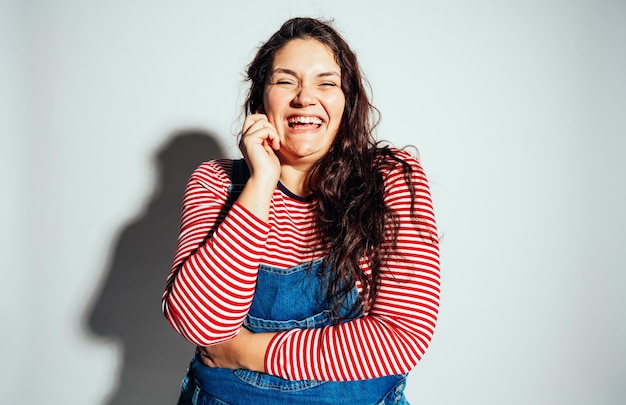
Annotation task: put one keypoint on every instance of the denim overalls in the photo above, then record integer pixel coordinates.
(284, 299)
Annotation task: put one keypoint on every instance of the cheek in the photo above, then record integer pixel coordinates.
(271, 103)
(266, 103)
(337, 104)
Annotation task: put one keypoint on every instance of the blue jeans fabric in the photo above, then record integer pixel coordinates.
(285, 299)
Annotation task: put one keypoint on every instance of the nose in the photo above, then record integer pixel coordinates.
(305, 96)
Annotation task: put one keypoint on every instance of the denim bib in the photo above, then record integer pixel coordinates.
(286, 299)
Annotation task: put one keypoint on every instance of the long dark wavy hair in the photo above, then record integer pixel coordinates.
(347, 182)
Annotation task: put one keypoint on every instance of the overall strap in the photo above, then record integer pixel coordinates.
(238, 178)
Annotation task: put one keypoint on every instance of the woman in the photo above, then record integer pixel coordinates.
(318, 283)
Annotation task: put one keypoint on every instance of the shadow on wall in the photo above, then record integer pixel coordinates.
(128, 307)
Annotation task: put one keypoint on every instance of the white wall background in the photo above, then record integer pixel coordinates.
(518, 109)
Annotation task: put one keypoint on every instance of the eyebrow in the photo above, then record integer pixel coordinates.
(292, 73)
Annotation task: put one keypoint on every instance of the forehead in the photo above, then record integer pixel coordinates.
(305, 54)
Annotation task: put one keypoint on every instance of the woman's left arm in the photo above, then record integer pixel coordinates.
(394, 335)
(390, 339)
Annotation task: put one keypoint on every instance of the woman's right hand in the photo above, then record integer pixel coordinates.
(258, 144)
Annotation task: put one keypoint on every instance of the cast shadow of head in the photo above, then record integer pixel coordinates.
(127, 309)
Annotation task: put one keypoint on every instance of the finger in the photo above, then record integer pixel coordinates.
(206, 360)
(267, 146)
(261, 127)
(251, 120)
(269, 149)
(275, 142)
(259, 132)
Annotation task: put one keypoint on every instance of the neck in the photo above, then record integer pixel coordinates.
(296, 179)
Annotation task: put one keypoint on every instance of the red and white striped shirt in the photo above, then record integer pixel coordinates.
(212, 281)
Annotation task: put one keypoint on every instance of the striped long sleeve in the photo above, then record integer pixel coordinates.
(211, 284)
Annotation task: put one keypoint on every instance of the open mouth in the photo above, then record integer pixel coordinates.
(300, 122)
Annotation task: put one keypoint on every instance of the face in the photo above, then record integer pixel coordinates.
(303, 100)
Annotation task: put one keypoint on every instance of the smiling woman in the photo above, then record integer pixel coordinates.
(303, 100)
(318, 282)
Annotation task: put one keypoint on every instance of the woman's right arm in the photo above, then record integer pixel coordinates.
(211, 283)
(210, 287)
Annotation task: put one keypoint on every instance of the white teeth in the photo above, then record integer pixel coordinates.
(304, 120)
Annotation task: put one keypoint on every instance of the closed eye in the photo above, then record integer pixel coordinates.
(284, 82)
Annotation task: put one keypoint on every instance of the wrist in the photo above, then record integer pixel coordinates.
(256, 197)
(253, 350)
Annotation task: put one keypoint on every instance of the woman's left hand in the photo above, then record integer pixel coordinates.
(246, 350)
